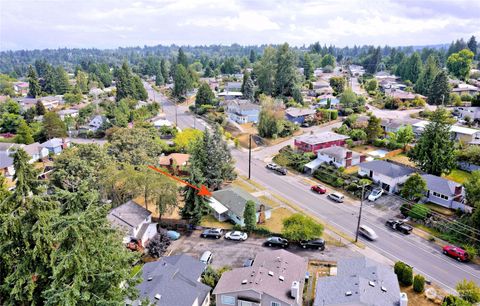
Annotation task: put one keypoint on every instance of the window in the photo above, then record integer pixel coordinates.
(275, 304)
(439, 195)
(244, 303)
(228, 300)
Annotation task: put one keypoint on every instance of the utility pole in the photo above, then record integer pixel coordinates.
(195, 115)
(176, 117)
(249, 155)
(360, 213)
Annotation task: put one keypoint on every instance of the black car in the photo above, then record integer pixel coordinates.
(248, 262)
(276, 241)
(212, 233)
(399, 225)
(281, 171)
(313, 244)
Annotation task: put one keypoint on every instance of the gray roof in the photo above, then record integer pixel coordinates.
(5, 160)
(440, 185)
(323, 137)
(298, 112)
(33, 148)
(387, 168)
(354, 276)
(233, 85)
(234, 199)
(175, 278)
(282, 263)
(52, 143)
(128, 215)
(338, 152)
(5, 146)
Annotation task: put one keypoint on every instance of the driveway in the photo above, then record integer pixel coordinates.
(233, 254)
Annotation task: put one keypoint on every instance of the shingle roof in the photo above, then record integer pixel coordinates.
(52, 143)
(282, 263)
(5, 160)
(354, 276)
(338, 152)
(298, 112)
(234, 199)
(386, 168)
(33, 148)
(128, 215)
(175, 279)
(440, 185)
(4, 146)
(314, 139)
(180, 159)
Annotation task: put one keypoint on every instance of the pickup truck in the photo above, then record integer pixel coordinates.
(399, 225)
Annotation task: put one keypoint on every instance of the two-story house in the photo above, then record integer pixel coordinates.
(338, 156)
(276, 278)
(298, 115)
(444, 192)
(313, 142)
(242, 111)
(387, 174)
(56, 145)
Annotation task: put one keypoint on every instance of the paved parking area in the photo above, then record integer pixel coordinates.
(387, 203)
(233, 254)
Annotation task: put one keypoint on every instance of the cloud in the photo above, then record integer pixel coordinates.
(113, 23)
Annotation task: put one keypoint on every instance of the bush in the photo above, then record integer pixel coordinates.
(418, 283)
(405, 209)
(348, 111)
(471, 250)
(407, 276)
(469, 291)
(262, 231)
(381, 143)
(452, 300)
(398, 269)
(419, 212)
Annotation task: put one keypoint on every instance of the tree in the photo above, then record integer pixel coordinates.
(40, 108)
(157, 246)
(184, 139)
(308, 67)
(34, 89)
(453, 300)
(25, 177)
(405, 135)
(328, 60)
(427, 76)
(419, 212)
(371, 85)
(211, 276)
(249, 216)
(269, 122)
(196, 206)
(472, 190)
(348, 98)
(24, 133)
(204, 95)
(265, 71)
(338, 84)
(301, 227)
(49, 80)
(459, 63)
(419, 283)
(434, 151)
(182, 82)
(373, 129)
(129, 85)
(414, 67)
(439, 89)
(285, 76)
(82, 81)
(414, 187)
(472, 45)
(469, 291)
(182, 58)
(372, 60)
(407, 276)
(159, 80)
(248, 88)
(62, 84)
(53, 126)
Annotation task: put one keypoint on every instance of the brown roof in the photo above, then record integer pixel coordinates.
(179, 158)
(265, 276)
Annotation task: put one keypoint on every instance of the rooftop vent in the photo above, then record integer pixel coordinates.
(270, 273)
(348, 293)
(281, 278)
(149, 278)
(372, 284)
(158, 296)
(244, 282)
(384, 289)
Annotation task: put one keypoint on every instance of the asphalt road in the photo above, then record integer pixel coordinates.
(425, 258)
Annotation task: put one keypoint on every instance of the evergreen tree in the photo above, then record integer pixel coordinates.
(253, 56)
(250, 216)
(285, 76)
(248, 87)
(40, 108)
(434, 150)
(297, 94)
(414, 67)
(472, 45)
(328, 60)
(24, 134)
(25, 177)
(33, 85)
(164, 70)
(308, 67)
(373, 60)
(123, 82)
(62, 84)
(49, 81)
(204, 95)
(208, 73)
(159, 80)
(53, 126)
(427, 76)
(196, 206)
(265, 71)
(182, 82)
(82, 82)
(182, 58)
(439, 90)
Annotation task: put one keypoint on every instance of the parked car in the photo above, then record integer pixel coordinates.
(456, 252)
(367, 232)
(375, 194)
(206, 257)
(313, 244)
(212, 233)
(272, 166)
(173, 235)
(399, 225)
(236, 235)
(277, 168)
(318, 189)
(336, 197)
(277, 241)
(248, 262)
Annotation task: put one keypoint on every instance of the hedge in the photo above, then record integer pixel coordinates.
(418, 283)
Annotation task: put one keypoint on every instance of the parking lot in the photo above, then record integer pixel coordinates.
(233, 254)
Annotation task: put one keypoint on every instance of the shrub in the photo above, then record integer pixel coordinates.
(405, 209)
(469, 291)
(398, 269)
(382, 143)
(418, 283)
(471, 250)
(407, 276)
(262, 231)
(419, 212)
(452, 300)
(348, 111)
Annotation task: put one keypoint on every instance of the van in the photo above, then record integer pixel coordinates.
(336, 197)
(367, 232)
(206, 257)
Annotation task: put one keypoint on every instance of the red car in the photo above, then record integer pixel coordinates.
(455, 252)
(319, 189)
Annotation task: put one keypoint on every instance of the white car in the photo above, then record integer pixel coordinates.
(375, 194)
(236, 235)
(272, 166)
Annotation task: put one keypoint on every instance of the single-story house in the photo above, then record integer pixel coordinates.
(323, 101)
(313, 142)
(69, 112)
(242, 111)
(229, 95)
(402, 95)
(56, 145)
(444, 192)
(36, 151)
(359, 281)
(389, 175)
(233, 86)
(473, 112)
(96, 123)
(20, 88)
(173, 280)
(385, 76)
(229, 204)
(466, 89)
(158, 123)
(276, 278)
(51, 102)
(459, 133)
(298, 115)
(356, 70)
(338, 156)
(134, 220)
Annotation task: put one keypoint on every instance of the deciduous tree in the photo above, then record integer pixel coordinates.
(53, 126)
(414, 187)
(301, 227)
(459, 63)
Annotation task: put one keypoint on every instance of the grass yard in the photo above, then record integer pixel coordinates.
(269, 201)
(364, 149)
(403, 159)
(351, 170)
(440, 209)
(252, 182)
(135, 270)
(458, 176)
(275, 223)
(210, 221)
(244, 185)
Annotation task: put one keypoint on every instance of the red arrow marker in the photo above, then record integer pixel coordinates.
(202, 191)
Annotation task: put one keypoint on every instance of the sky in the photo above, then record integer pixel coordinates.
(39, 24)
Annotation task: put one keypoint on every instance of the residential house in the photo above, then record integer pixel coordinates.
(69, 112)
(276, 278)
(229, 95)
(359, 281)
(26, 102)
(56, 145)
(322, 87)
(385, 76)
(233, 86)
(141, 104)
(402, 95)
(298, 115)
(387, 174)
(393, 125)
(242, 111)
(95, 123)
(20, 88)
(134, 221)
(34, 150)
(324, 99)
(386, 85)
(313, 142)
(473, 112)
(229, 204)
(51, 102)
(173, 280)
(458, 133)
(466, 89)
(338, 156)
(175, 162)
(6, 165)
(356, 70)
(444, 192)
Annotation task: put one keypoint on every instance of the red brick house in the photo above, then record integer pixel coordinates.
(314, 142)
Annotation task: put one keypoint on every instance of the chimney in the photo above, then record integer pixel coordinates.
(362, 158)
(295, 290)
(458, 190)
(64, 143)
(171, 161)
(349, 155)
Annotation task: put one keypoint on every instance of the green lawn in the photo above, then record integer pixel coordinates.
(458, 176)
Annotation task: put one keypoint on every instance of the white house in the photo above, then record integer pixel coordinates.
(387, 174)
(338, 156)
(459, 133)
